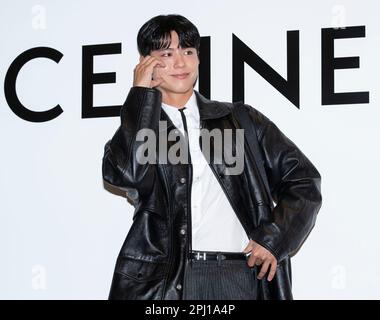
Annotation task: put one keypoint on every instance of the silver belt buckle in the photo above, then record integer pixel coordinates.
(199, 255)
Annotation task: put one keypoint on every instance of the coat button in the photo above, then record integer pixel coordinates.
(183, 180)
(182, 231)
(179, 287)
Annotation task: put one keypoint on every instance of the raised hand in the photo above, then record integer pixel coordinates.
(144, 72)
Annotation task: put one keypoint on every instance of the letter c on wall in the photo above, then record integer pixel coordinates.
(10, 85)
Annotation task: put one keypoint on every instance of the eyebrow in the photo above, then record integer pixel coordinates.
(171, 49)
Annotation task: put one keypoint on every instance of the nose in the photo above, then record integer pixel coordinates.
(179, 61)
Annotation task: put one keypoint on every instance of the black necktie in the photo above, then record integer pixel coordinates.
(187, 134)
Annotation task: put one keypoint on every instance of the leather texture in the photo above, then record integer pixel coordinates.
(152, 259)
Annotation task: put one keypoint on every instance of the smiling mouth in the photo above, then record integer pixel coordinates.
(180, 76)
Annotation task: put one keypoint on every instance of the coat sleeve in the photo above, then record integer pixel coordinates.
(295, 186)
(120, 168)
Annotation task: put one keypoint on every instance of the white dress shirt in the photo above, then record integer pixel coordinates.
(215, 226)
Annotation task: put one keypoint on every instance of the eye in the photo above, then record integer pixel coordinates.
(165, 54)
(189, 52)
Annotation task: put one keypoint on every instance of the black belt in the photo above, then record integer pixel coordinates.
(217, 256)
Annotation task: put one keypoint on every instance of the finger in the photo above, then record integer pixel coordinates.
(252, 260)
(272, 271)
(259, 262)
(263, 270)
(149, 65)
(155, 63)
(148, 59)
(145, 61)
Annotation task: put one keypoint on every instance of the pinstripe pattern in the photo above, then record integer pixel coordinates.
(223, 280)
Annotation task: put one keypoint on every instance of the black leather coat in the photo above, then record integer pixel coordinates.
(152, 259)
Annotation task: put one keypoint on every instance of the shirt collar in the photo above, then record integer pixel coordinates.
(190, 111)
(207, 109)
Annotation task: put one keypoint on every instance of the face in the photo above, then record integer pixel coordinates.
(181, 67)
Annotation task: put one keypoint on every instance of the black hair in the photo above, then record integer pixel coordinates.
(155, 33)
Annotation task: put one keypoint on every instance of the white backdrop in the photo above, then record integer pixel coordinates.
(60, 230)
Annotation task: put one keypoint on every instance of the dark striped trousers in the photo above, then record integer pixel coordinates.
(220, 280)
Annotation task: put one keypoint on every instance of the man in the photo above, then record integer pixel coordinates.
(197, 232)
